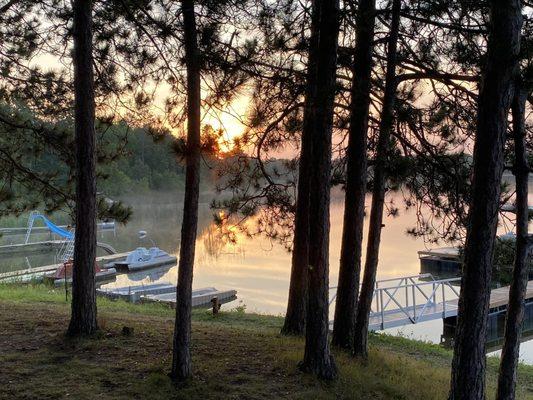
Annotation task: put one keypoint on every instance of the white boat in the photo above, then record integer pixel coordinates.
(142, 258)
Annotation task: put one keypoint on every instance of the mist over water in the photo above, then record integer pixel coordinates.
(258, 268)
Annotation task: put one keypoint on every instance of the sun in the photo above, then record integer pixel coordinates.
(229, 121)
(229, 128)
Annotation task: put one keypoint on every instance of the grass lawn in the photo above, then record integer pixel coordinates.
(236, 355)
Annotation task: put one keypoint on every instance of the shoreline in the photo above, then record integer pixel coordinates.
(235, 353)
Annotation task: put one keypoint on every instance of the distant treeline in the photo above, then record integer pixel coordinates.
(147, 164)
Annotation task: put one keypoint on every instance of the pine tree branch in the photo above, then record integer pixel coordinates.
(32, 175)
(445, 25)
(435, 75)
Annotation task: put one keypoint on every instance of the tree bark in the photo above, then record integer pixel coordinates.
(517, 292)
(181, 358)
(378, 190)
(294, 323)
(83, 319)
(319, 113)
(468, 365)
(354, 203)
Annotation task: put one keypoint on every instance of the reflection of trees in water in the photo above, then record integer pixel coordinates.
(221, 239)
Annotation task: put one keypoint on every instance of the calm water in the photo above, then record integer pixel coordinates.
(257, 268)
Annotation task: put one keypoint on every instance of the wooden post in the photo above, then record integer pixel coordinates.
(216, 305)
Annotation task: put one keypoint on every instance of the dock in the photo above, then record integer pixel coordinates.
(409, 300)
(29, 274)
(134, 293)
(446, 310)
(35, 247)
(22, 249)
(200, 297)
(166, 293)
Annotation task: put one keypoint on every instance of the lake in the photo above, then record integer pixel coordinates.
(258, 268)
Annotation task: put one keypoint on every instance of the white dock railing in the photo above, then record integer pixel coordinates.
(414, 301)
(411, 299)
(387, 282)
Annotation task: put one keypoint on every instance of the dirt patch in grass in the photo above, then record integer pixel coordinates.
(235, 357)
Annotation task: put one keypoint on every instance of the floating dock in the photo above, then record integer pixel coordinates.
(134, 293)
(200, 297)
(166, 293)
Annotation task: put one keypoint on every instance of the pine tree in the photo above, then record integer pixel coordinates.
(468, 366)
(83, 319)
(318, 119)
(515, 308)
(378, 191)
(181, 359)
(356, 173)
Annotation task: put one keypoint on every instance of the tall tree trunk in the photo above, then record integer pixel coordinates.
(181, 358)
(319, 111)
(354, 202)
(378, 191)
(294, 323)
(83, 319)
(517, 292)
(468, 366)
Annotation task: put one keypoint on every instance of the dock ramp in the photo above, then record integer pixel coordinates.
(418, 298)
